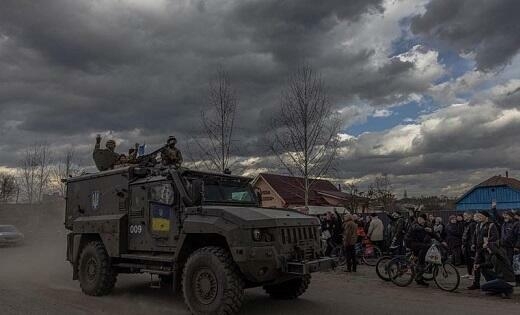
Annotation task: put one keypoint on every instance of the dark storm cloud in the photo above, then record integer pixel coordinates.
(490, 29)
(139, 71)
(82, 67)
(296, 30)
(61, 31)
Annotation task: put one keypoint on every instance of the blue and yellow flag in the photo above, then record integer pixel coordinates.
(161, 215)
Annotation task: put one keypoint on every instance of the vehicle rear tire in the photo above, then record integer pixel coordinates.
(382, 268)
(96, 276)
(289, 290)
(212, 283)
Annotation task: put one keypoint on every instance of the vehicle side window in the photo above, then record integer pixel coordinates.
(211, 192)
(138, 203)
(161, 193)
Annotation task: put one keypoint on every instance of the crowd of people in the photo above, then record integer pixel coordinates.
(486, 242)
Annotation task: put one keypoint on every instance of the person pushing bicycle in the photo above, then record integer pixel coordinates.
(419, 239)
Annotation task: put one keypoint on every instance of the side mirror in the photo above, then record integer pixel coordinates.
(197, 191)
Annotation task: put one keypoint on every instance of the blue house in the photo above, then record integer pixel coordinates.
(504, 192)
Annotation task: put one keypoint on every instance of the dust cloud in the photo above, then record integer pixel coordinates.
(42, 256)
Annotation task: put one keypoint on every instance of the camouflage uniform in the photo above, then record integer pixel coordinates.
(105, 159)
(132, 155)
(170, 155)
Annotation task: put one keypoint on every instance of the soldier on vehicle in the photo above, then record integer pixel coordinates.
(132, 154)
(105, 159)
(170, 155)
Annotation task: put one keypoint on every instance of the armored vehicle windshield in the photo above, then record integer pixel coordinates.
(219, 191)
(224, 189)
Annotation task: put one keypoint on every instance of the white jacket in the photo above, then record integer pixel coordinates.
(376, 229)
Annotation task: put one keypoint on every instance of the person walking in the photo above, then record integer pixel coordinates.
(349, 242)
(418, 239)
(376, 231)
(468, 242)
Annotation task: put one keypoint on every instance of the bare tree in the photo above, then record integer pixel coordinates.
(67, 166)
(306, 129)
(354, 198)
(382, 192)
(8, 186)
(35, 172)
(218, 122)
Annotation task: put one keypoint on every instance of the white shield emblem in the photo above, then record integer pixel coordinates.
(95, 200)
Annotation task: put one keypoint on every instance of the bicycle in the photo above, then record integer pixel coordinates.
(366, 253)
(402, 271)
(383, 263)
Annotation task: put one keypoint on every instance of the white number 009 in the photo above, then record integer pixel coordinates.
(136, 229)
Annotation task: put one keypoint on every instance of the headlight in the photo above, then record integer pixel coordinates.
(257, 235)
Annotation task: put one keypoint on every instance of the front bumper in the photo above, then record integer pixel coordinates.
(307, 267)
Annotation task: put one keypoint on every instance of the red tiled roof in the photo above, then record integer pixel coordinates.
(291, 190)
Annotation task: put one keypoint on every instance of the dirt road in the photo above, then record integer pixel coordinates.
(35, 279)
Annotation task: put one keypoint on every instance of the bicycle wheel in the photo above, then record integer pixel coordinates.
(400, 271)
(371, 255)
(338, 254)
(382, 268)
(446, 277)
(428, 273)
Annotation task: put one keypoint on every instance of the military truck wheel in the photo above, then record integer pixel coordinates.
(290, 289)
(211, 282)
(96, 276)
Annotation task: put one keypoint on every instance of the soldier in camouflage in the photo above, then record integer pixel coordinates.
(170, 155)
(105, 159)
(132, 154)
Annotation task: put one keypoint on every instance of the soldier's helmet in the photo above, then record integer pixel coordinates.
(111, 144)
(171, 140)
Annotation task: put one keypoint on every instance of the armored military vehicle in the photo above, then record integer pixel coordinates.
(202, 232)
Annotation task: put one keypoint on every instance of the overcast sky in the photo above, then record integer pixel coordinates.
(429, 89)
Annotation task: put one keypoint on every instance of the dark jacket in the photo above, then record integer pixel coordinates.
(500, 265)
(418, 235)
(484, 230)
(349, 233)
(454, 233)
(510, 234)
(468, 235)
(398, 229)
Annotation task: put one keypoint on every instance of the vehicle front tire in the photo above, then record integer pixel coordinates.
(212, 283)
(289, 290)
(96, 276)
